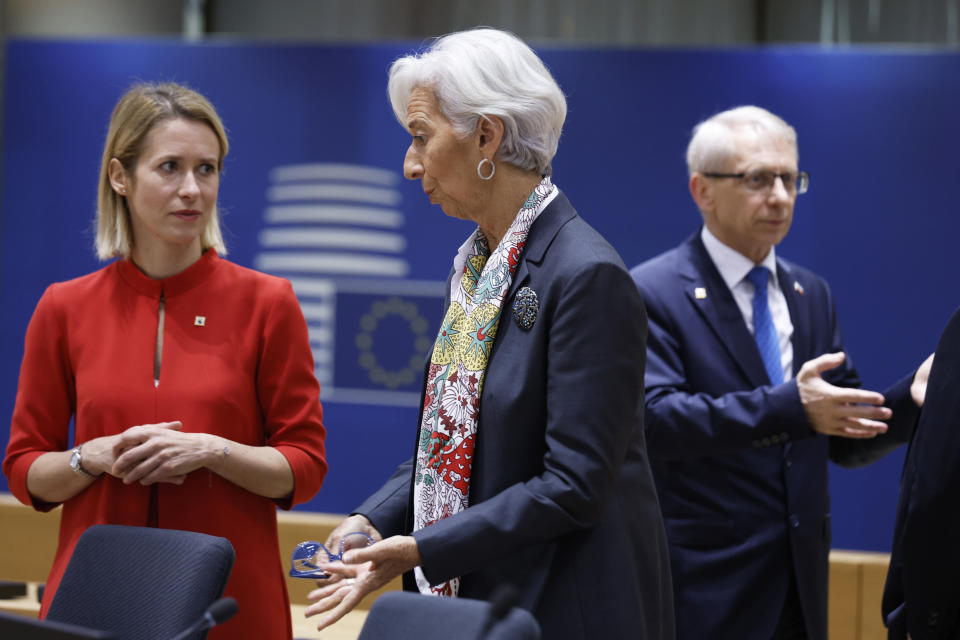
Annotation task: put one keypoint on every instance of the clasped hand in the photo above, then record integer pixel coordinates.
(158, 452)
(149, 453)
(146, 453)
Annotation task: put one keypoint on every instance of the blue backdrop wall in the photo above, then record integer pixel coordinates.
(313, 190)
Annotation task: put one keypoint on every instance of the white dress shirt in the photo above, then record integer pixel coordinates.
(734, 267)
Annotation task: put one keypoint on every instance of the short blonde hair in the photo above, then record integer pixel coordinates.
(142, 108)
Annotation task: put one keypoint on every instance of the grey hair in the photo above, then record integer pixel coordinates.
(486, 72)
(712, 142)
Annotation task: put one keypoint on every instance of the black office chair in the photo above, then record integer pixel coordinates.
(401, 614)
(142, 583)
(15, 626)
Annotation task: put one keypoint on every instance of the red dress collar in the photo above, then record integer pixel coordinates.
(190, 277)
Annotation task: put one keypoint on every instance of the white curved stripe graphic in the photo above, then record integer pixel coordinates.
(371, 396)
(394, 287)
(306, 287)
(344, 214)
(334, 171)
(322, 356)
(335, 238)
(320, 335)
(323, 262)
(372, 195)
(313, 287)
(317, 311)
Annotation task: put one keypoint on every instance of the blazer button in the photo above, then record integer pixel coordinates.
(788, 462)
(933, 618)
(794, 521)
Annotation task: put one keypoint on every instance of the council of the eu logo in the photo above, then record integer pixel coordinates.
(336, 232)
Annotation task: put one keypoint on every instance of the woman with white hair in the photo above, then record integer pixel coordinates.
(530, 467)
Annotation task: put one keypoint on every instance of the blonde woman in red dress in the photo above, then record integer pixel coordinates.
(189, 378)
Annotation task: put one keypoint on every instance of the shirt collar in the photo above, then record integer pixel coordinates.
(733, 265)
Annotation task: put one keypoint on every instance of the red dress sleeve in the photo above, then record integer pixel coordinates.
(290, 397)
(46, 397)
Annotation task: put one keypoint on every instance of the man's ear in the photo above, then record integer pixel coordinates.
(118, 176)
(702, 191)
(489, 135)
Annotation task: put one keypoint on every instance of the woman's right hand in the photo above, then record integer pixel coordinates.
(97, 454)
(142, 435)
(50, 478)
(100, 454)
(362, 571)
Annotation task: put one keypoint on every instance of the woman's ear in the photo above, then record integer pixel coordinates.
(118, 176)
(489, 135)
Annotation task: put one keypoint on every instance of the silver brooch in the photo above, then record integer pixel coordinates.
(525, 307)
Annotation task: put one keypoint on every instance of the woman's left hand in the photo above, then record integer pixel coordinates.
(159, 453)
(363, 571)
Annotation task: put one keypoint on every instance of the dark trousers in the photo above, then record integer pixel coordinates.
(791, 625)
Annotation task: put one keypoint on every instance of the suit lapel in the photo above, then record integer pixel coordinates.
(541, 235)
(793, 292)
(711, 297)
(520, 277)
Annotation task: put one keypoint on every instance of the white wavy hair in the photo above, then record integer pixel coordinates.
(712, 142)
(486, 72)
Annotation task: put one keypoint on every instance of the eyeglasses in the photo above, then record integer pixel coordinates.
(308, 555)
(762, 181)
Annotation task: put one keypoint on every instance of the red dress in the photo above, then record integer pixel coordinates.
(236, 362)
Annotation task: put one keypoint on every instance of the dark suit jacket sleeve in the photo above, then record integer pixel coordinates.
(854, 452)
(683, 422)
(386, 509)
(929, 551)
(594, 391)
(692, 411)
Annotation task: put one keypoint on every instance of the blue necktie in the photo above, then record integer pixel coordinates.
(763, 330)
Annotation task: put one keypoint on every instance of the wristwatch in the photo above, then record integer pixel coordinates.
(77, 464)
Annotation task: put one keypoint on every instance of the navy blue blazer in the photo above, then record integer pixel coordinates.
(562, 502)
(742, 478)
(922, 595)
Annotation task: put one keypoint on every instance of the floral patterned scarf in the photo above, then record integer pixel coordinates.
(451, 404)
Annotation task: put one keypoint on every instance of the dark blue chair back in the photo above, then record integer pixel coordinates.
(142, 583)
(15, 626)
(401, 614)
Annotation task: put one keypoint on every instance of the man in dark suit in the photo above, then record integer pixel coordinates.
(749, 393)
(922, 596)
